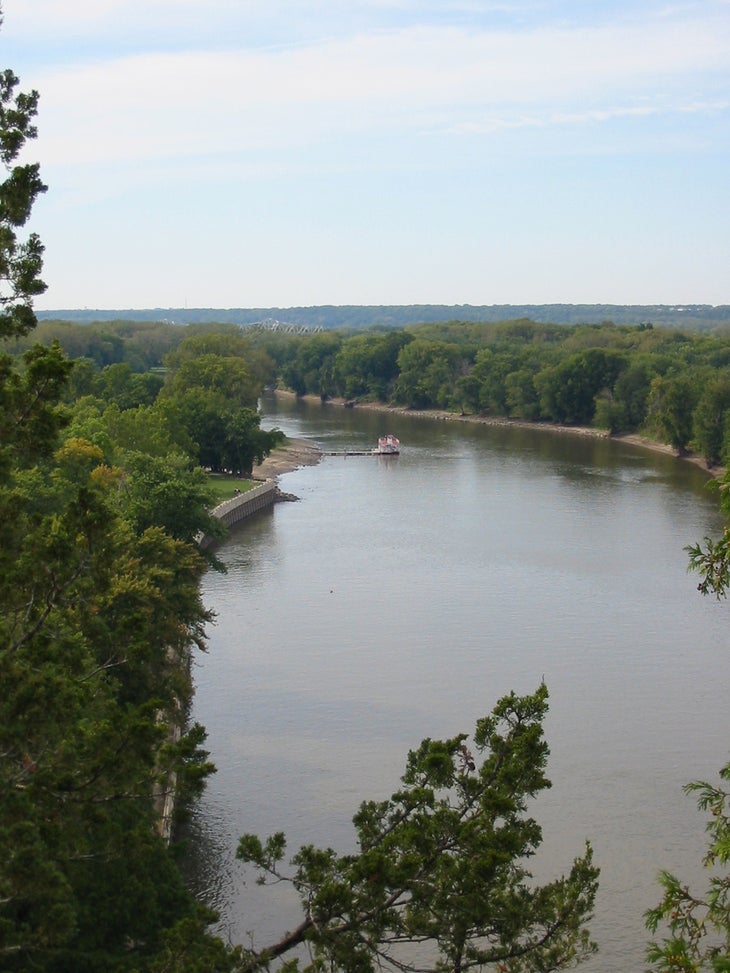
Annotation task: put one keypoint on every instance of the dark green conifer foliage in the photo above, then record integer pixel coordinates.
(20, 260)
(440, 880)
(96, 614)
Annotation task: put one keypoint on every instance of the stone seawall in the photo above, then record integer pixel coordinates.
(232, 511)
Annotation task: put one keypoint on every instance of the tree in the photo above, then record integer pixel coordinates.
(625, 407)
(699, 923)
(96, 619)
(312, 368)
(165, 491)
(246, 443)
(428, 371)
(440, 872)
(367, 364)
(20, 262)
(568, 390)
(521, 395)
(670, 407)
(225, 361)
(711, 417)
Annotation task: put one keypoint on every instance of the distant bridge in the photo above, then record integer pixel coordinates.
(286, 327)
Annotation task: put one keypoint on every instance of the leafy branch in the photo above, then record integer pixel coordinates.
(440, 871)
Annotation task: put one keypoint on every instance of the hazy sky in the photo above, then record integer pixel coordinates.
(258, 153)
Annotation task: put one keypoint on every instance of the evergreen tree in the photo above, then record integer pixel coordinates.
(440, 881)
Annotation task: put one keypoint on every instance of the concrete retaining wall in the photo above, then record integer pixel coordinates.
(231, 511)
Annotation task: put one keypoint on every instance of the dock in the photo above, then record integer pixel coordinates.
(387, 446)
(351, 452)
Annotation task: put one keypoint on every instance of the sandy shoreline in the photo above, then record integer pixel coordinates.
(296, 453)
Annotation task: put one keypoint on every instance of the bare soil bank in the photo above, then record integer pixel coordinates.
(300, 452)
(294, 454)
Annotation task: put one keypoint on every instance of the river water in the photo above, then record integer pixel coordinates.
(401, 597)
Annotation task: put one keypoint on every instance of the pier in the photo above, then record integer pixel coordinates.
(352, 452)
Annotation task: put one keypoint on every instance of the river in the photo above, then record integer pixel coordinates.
(401, 597)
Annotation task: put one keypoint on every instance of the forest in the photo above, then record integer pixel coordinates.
(109, 434)
(694, 317)
(669, 385)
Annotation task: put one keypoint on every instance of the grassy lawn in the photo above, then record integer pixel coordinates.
(226, 486)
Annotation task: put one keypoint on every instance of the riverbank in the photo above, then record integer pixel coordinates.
(302, 448)
(292, 455)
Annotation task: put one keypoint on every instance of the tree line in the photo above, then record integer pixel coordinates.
(103, 491)
(667, 384)
(671, 385)
(694, 317)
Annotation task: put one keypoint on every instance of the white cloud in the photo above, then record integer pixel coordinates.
(421, 130)
(412, 80)
(499, 123)
(71, 16)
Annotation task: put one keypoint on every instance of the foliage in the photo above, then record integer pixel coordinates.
(427, 373)
(367, 365)
(440, 872)
(99, 606)
(212, 389)
(623, 379)
(30, 418)
(158, 481)
(620, 378)
(711, 417)
(20, 262)
(671, 402)
(95, 619)
(698, 924)
(166, 492)
(695, 317)
(311, 367)
(225, 361)
(568, 390)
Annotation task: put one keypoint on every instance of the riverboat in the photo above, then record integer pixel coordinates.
(388, 446)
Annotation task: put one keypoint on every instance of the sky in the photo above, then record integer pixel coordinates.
(278, 153)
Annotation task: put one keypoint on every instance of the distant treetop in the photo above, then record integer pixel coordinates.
(695, 317)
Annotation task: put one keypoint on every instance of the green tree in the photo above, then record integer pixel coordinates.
(312, 369)
(118, 383)
(226, 436)
(222, 360)
(246, 443)
(229, 377)
(165, 491)
(428, 374)
(441, 868)
(670, 408)
(96, 619)
(568, 390)
(21, 261)
(367, 364)
(630, 395)
(710, 418)
(521, 395)
(698, 923)
(493, 370)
